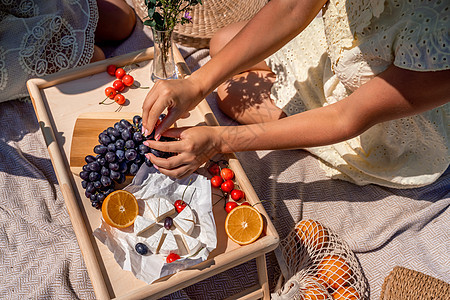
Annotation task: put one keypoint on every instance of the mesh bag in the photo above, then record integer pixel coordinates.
(320, 266)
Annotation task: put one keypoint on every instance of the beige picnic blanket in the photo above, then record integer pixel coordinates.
(40, 258)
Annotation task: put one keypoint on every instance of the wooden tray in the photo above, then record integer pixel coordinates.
(58, 101)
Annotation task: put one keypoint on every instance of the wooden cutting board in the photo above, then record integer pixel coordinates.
(85, 134)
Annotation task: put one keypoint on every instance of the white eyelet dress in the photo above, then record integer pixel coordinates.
(353, 42)
(41, 37)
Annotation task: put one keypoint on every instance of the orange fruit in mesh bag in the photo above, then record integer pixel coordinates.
(315, 291)
(120, 209)
(333, 272)
(345, 293)
(312, 233)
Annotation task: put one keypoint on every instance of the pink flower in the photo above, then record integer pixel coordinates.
(187, 16)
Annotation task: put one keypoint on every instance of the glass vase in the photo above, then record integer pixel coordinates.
(163, 61)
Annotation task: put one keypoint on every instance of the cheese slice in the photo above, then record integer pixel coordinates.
(191, 244)
(169, 244)
(166, 208)
(183, 225)
(141, 224)
(154, 241)
(153, 206)
(160, 208)
(185, 221)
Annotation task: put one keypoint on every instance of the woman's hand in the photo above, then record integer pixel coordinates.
(178, 96)
(196, 146)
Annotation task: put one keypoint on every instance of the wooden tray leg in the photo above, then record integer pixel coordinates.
(262, 275)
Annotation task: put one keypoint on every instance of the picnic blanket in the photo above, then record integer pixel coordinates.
(39, 254)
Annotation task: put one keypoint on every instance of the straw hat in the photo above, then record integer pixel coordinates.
(208, 18)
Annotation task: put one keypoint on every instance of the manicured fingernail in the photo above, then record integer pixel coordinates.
(157, 137)
(145, 143)
(147, 155)
(156, 167)
(145, 131)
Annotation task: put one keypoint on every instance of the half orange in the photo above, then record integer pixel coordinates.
(120, 209)
(244, 224)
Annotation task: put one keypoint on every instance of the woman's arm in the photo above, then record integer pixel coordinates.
(277, 23)
(393, 94)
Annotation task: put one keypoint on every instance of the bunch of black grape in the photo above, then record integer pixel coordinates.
(120, 152)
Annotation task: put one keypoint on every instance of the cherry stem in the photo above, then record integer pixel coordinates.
(189, 183)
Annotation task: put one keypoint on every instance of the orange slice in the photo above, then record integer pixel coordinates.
(244, 224)
(120, 209)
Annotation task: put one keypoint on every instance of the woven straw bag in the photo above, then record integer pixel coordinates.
(208, 18)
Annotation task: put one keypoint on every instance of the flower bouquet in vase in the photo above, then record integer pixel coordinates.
(163, 16)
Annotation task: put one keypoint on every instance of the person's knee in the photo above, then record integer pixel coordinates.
(222, 36)
(116, 20)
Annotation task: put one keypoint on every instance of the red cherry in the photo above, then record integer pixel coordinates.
(245, 203)
(172, 257)
(120, 73)
(118, 85)
(179, 205)
(128, 80)
(110, 92)
(227, 174)
(230, 206)
(227, 186)
(216, 181)
(214, 169)
(237, 195)
(111, 70)
(120, 99)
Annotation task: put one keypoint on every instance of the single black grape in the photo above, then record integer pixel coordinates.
(161, 117)
(143, 149)
(104, 139)
(112, 147)
(93, 197)
(100, 149)
(129, 144)
(156, 152)
(84, 184)
(84, 175)
(125, 123)
(117, 126)
(120, 154)
(114, 175)
(120, 144)
(134, 168)
(90, 188)
(138, 137)
(114, 166)
(96, 204)
(115, 132)
(101, 160)
(126, 134)
(151, 136)
(94, 166)
(100, 197)
(109, 130)
(87, 194)
(137, 119)
(168, 222)
(94, 176)
(130, 154)
(89, 158)
(113, 138)
(141, 248)
(85, 168)
(148, 162)
(106, 181)
(104, 171)
(110, 157)
(97, 184)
